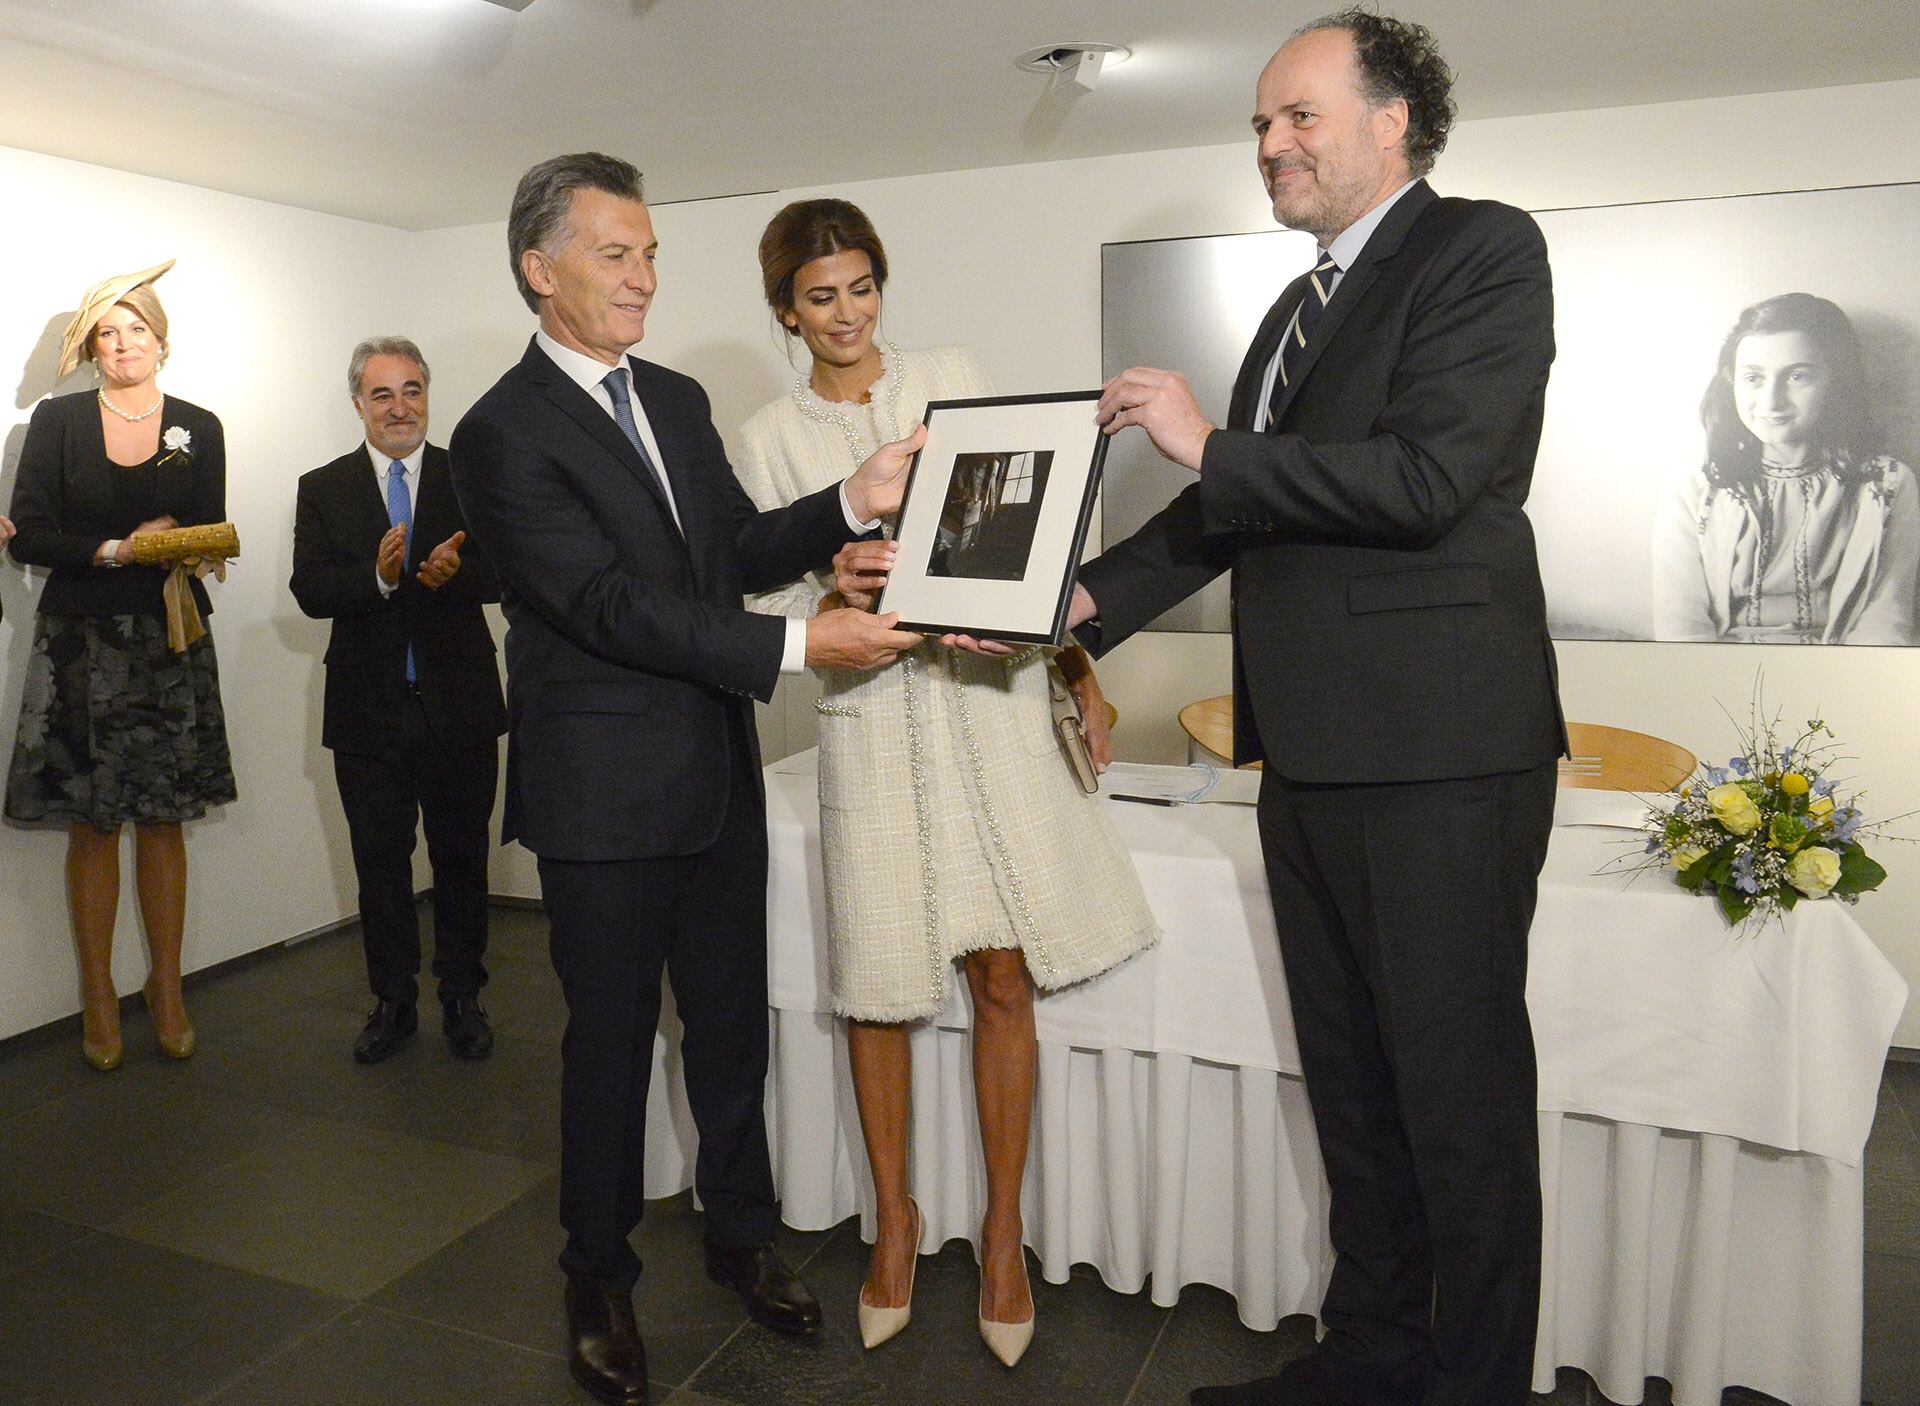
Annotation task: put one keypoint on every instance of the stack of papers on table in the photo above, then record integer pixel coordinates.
(1197, 784)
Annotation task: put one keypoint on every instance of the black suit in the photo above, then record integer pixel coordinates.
(406, 753)
(1392, 666)
(633, 770)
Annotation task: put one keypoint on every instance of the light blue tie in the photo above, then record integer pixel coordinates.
(400, 514)
(616, 387)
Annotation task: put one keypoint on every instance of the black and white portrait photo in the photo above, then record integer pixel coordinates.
(987, 521)
(1732, 419)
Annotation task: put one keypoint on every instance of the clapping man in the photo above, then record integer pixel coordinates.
(413, 710)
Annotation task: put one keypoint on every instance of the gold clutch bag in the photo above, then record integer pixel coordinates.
(178, 544)
(187, 550)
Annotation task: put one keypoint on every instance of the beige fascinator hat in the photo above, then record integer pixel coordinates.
(94, 305)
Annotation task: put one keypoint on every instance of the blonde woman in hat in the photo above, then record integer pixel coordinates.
(115, 727)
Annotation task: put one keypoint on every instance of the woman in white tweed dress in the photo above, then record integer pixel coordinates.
(951, 826)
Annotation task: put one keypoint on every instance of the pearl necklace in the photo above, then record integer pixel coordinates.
(844, 423)
(151, 410)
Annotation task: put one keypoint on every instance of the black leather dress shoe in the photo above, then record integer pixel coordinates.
(466, 1026)
(389, 1025)
(1313, 1380)
(604, 1351)
(774, 1295)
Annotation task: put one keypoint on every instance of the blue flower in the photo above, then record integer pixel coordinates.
(1846, 822)
(1786, 759)
(1743, 872)
(1741, 766)
(1823, 787)
(1655, 844)
(1717, 776)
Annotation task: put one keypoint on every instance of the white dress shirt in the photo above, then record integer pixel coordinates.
(588, 373)
(1344, 250)
(381, 464)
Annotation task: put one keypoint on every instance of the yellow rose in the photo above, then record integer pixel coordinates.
(1794, 784)
(1820, 807)
(1734, 808)
(1814, 871)
(1687, 856)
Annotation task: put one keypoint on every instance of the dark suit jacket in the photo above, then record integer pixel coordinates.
(340, 515)
(1389, 623)
(65, 504)
(627, 645)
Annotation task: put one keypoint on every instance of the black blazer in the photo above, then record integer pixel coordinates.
(64, 504)
(340, 515)
(1388, 618)
(627, 644)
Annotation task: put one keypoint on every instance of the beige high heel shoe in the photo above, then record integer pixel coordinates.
(179, 1046)
(1009, 1341)
(103, 1055)
(879, 1324)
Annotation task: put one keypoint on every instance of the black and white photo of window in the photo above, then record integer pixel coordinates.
(992, 507)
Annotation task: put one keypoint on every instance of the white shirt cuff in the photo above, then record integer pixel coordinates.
(112, 544)
(381, 582)
(793, 658)
(847, 508)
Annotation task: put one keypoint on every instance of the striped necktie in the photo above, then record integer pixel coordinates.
(1293, 349)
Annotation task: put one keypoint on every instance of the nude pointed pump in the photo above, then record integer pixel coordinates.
(179, 1046)
(1009, 1341)
(879, 1324)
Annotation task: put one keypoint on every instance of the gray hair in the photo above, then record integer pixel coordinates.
(384, 346)
(538, 219)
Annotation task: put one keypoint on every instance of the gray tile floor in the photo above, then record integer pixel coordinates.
(270, 1223)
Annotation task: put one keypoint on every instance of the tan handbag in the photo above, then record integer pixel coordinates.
(1070, 731)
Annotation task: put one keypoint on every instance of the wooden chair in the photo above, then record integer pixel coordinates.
(1617, 759)
(1208, 722)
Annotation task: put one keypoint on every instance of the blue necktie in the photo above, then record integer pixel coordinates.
(616, 386)
(400, 514)
(1293, 349)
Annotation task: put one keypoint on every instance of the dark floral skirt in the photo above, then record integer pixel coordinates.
(116, 728)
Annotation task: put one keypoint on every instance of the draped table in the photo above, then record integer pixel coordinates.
(1705, 1097)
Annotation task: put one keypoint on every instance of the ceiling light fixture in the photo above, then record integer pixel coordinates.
(1080, 60)
(511, 4)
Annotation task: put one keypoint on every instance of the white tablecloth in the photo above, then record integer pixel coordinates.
(1704, 1098)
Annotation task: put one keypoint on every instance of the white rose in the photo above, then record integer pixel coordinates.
(1814, 871)
(176, 438)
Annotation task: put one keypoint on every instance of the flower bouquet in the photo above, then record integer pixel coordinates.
(1768, 829)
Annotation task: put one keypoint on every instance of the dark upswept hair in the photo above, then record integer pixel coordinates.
(1846, 430)
(538, 218)
(1400, 59)
(812, 229)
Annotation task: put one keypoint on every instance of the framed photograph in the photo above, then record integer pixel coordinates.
(997, 506)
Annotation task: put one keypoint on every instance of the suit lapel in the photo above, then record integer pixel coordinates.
(365, 498)
(1383, 245)
(436, 491)
(585, 411)
(1244, 408)
(676, 449)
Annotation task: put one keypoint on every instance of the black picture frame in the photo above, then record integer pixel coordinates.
(995, 516)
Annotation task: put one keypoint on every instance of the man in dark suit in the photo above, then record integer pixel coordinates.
(413, 708)
(1392, 667)
(601, 490)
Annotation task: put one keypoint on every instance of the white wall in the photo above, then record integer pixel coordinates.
(265, 305)
(1008, 261)
(1005, 260)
